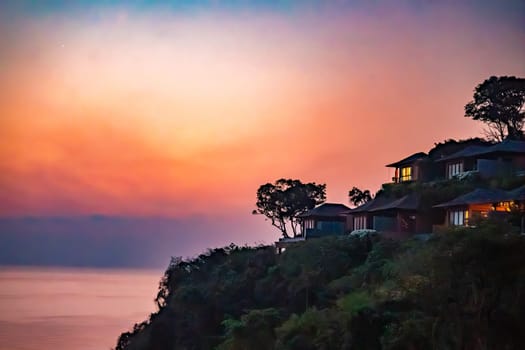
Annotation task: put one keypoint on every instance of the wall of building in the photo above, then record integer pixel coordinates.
(491, 168)
(384, 223)
(518, 163)
(326, 228)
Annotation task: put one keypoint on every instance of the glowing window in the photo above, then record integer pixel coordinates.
(504, 206)
(458, 217)
(406, 174)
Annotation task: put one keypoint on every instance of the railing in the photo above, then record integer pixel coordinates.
(291, 239)
(402, 179)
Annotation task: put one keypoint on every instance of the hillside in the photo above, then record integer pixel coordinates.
(464, 289)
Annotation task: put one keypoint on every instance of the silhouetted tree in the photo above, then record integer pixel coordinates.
(358, 197)
(283, 201)
(499, 103)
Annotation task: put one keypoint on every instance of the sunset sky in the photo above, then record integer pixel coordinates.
(115, 112)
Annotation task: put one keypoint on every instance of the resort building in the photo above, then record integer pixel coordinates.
(399, 210)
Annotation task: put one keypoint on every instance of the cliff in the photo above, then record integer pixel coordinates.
(464, 289)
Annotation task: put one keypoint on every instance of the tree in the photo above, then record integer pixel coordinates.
(358, 197)
(286, 199)
(499, 103)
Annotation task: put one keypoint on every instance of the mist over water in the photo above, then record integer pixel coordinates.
(72, 308)
(122, 242)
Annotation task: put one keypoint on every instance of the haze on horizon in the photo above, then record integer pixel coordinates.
(145, 128)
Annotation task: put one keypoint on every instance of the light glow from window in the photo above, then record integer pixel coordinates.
(458, 217)
(406, 174)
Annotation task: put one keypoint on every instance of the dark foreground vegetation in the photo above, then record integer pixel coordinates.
(464, 289)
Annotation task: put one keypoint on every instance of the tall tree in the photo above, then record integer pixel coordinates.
(499, 103)
(358, 197)
(283, 201)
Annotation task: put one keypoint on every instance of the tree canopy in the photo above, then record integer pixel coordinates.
(499, 103)
(359, 197)
(283, 201)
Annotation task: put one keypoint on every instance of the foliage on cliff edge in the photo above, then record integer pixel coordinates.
(464, 289)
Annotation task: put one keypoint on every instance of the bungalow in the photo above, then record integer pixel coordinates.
(392, 215)
(328, 219)
(398, 215)
(361, 218)
(411, 168)
(482, 203)
(462, 162)
(504, 158)
(476, 203)
(488, 160)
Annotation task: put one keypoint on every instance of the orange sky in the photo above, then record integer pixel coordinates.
(159, 114)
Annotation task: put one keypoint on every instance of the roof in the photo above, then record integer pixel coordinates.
(507, 146)
(516, 194)
(327, 209)
(466, 152)
(478, 196)
(451, 146)
(409, 160)
(516, 146)
(368, 206)
(408, 202)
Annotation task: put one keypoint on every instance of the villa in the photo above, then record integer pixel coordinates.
(411, 168)
(482, 203)
(328, 219)
(502, 159)
(407, 214)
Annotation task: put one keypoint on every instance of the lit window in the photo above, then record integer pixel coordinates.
(406, 174)
(454, 169)
(504, 206)
(458, 217)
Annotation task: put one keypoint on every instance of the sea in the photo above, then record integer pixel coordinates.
(72, 308)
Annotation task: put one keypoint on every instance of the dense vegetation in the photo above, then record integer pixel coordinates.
(464, 289)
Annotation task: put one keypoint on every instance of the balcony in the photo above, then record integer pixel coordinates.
(401, 179)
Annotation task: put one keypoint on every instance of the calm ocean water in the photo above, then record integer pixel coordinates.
(67, 308)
